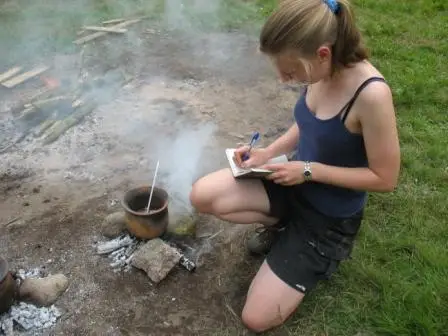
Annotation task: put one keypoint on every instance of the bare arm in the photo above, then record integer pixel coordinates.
(286, 143)
(379, 130)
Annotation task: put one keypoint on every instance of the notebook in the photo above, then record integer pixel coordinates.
(239, 172)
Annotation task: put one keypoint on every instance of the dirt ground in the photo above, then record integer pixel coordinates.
(209, 91)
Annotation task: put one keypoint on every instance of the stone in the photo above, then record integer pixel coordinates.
(113, 225)
(43, 292)
(156, 258)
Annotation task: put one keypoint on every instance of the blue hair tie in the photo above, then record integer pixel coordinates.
(333, 5)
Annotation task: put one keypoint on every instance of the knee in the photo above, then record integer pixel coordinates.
(199, 197)
(256, 321)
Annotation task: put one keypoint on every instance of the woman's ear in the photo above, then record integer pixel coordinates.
(324, 54)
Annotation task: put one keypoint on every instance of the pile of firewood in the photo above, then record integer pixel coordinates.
(115, 26)
(52, 109)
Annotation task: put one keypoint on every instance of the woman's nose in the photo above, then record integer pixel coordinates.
(285, 78)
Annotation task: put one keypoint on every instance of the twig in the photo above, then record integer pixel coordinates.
(230, 309)
(214, 235)
(42, 102)
(28, 111)
(12, 221)
(209, 235)
(40, 93)
(15, 142)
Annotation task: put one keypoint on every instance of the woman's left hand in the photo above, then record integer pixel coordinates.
(288, 174)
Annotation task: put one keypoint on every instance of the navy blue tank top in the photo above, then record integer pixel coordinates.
(329, 142)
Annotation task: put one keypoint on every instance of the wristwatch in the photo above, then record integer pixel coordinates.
(307, 171)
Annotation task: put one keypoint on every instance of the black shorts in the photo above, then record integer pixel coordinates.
(312, 245)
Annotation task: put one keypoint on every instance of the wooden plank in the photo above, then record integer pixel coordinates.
(93, 36)
(106, 29)
(113, 21)
(8, 74)
(61, 126)
(24, 77)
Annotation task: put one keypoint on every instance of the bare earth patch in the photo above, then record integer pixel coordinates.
(182, 103)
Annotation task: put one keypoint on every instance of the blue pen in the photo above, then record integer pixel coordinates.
(253, 141)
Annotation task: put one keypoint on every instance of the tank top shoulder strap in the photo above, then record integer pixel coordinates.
(303, 90)
(347, 107)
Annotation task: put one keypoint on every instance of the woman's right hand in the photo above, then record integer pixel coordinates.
(257, 157)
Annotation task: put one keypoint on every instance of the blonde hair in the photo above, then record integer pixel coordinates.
(305, 25)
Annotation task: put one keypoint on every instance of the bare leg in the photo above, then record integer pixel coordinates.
(237, 201)
(270, 301)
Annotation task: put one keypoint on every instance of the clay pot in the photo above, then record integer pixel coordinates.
(140, 223)
(8, 287)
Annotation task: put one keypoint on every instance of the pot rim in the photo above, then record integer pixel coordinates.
(4, 268)
(143, 189)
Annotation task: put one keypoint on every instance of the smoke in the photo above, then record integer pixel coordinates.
(181, 162)
(40, 28)
(181, 16)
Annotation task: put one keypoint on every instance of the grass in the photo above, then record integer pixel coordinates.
(397, 282)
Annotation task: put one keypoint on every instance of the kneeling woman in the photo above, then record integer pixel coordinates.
(346, 145)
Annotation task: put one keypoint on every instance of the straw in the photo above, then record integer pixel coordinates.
(152, 187)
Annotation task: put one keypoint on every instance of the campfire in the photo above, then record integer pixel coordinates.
(53, 107)
(143, 241)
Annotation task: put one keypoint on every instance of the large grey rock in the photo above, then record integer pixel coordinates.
(156, 258)
(44, 291)
(113, 225)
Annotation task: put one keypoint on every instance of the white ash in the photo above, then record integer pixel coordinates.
(120, 251)
(32, 273)
(114, 244)
(6, 325)
(28, 317)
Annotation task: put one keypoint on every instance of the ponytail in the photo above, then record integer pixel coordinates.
(348, 47)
